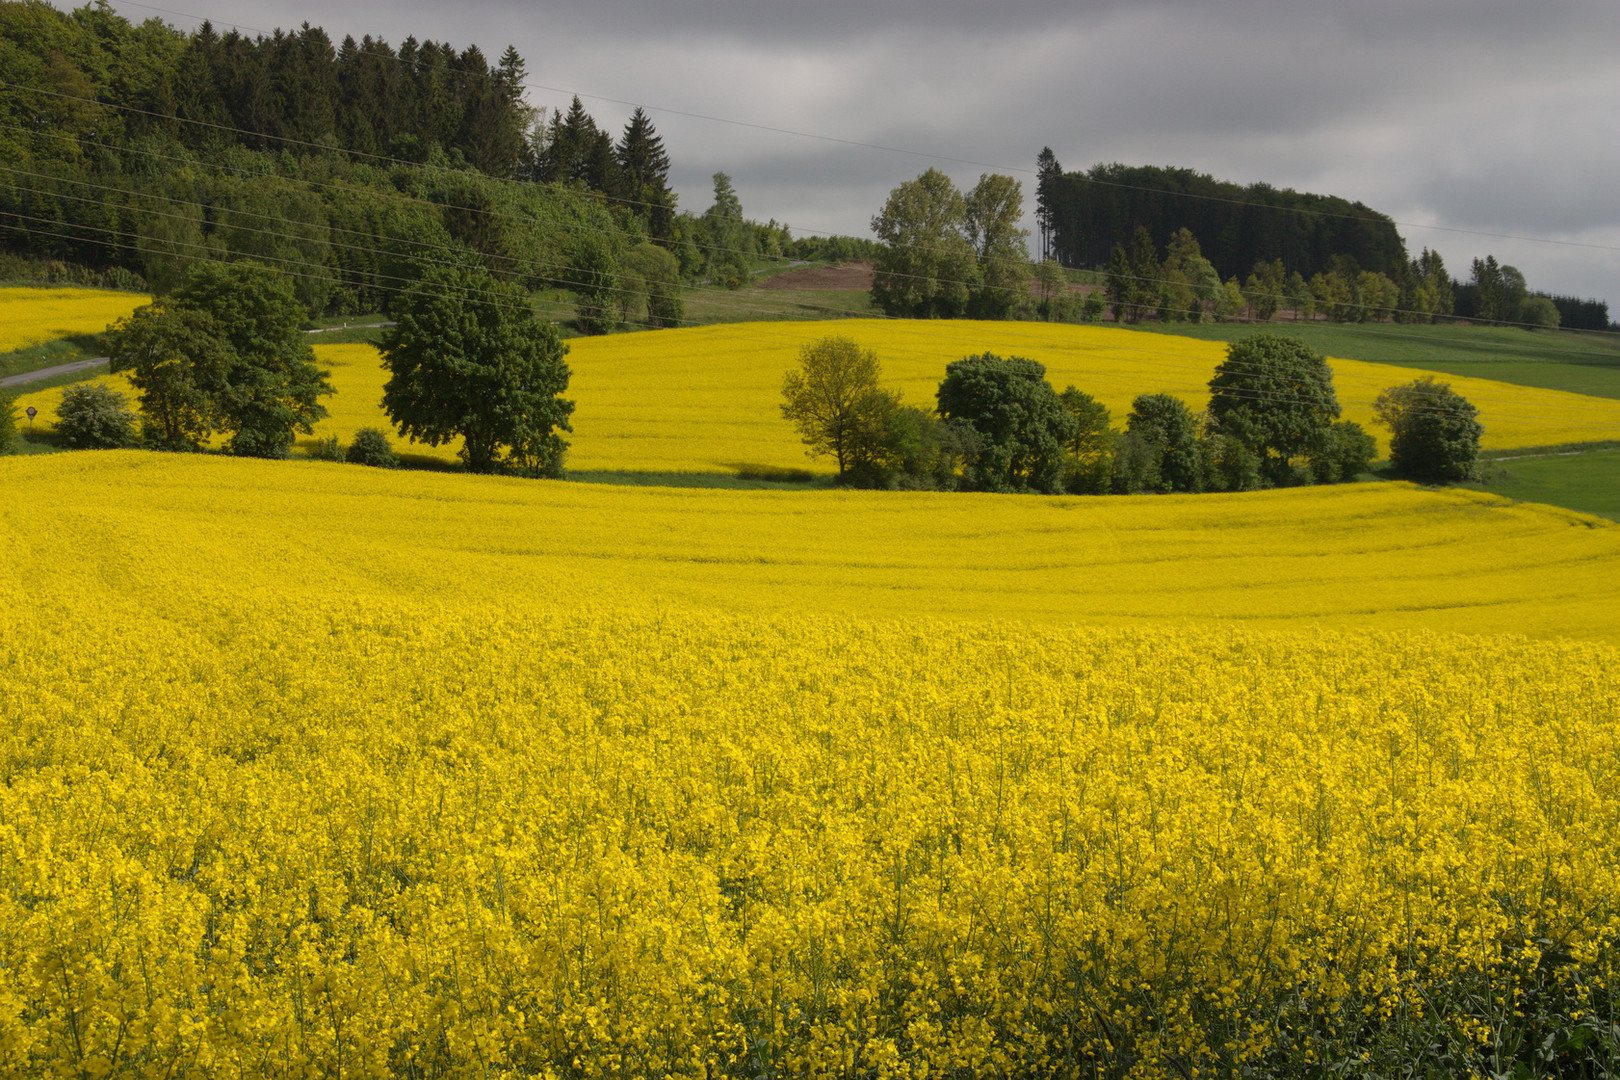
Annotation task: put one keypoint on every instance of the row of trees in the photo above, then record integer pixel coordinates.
(225, 355)
(946, 254)
(998, 425)
(128, 153)
(1082, 216)
(1184, 286)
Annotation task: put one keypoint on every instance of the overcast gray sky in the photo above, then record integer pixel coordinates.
(1455, 117)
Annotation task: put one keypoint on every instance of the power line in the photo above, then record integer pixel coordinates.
(839, 140)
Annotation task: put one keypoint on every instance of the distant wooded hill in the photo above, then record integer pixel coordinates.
(1087, 213)
(129, 152)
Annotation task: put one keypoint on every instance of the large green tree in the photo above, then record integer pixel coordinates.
(993, 212)
(272, 386)
(1274, 395)
(178, 360)
(467, 359)
(1021, 423)
(927, 268)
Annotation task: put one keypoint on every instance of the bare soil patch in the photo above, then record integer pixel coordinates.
(857, 275)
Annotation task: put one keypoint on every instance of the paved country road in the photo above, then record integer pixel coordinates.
(81, 365)
(51, 372)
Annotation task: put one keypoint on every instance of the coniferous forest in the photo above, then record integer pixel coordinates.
(129, 151)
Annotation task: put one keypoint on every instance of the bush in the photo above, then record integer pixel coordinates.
(93, 416)
(370, 447)
(1434, 431)
(1229, 465)
(327, 449)
(1349, 452)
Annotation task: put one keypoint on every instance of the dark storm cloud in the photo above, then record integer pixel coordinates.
(1474, 114)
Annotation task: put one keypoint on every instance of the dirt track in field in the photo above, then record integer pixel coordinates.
(848, 276)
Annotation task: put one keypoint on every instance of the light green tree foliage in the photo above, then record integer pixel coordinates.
(836, 402)
(1539, 313)
(1274, 395)
(594, 280)
(994, 209)
(1192, 285)
(1021, 425)
(1379, 297)
(651, 282)
(1091, 446)
(93, 416)
(179, 362)
(728, 241)
(467, 359)
(927, 268)
(1229, 303)
(282, 224)
(1434, 431)
(1297, 292)
(272, 386)
(1264, 290)
(1053, 286)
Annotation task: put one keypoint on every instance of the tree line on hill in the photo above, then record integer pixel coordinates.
(1272, 420)
(950, 254)
(1264, 249)
(129, 152)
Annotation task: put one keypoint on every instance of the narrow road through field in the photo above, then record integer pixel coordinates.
(51, 372)
(82, 365)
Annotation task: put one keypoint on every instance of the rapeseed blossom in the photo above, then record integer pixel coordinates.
(707, 399)
(36, 316)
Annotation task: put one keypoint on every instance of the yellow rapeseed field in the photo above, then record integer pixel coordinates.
(35, 316)
(708, 399)
(311, 770)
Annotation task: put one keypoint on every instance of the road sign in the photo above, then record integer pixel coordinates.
(32, 412)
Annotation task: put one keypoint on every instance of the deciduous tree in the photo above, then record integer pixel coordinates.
(467, 359)
(1434, 431)
(1274, 395)
(1021, 424)
(94, 416)
(994, 209)
(272, 386)
(836, 402)
(927, 268)
(179, 362)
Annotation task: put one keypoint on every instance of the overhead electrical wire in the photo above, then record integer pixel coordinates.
(1021, 170)
(357, 188)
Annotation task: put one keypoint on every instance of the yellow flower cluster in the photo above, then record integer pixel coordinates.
(337, 783)
(709, 399)
(35, 316)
